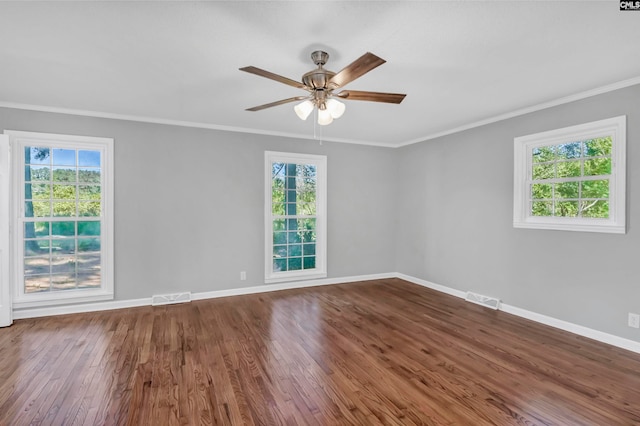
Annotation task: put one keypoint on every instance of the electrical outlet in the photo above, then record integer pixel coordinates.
(243, 275)
(634, 320)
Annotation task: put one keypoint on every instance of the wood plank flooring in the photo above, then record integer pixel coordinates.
(368, 353)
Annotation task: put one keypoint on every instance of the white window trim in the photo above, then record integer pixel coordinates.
(523, 146)
(320, 161)
(19, 139)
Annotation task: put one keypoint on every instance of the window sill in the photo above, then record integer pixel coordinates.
(67, 297)
(583, 226)
(297, 277)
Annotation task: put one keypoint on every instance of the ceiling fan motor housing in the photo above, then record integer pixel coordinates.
(317, 79)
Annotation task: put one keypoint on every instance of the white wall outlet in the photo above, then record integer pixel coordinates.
(243, 275)
(634, 320)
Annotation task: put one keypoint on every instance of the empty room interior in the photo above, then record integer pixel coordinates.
(320, 213)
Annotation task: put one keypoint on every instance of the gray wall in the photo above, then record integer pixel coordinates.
(189, 203)
(456, 223)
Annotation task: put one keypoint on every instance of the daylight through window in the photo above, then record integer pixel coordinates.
(295, 216)
(63, 217)
(572, 178)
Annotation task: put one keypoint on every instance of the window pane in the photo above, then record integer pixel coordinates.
(37, 191)
(278, 224)
(37, 265)
(309, 262)
(595, 209)
(89, 228)
(37, 173)
(277, 194)
(597, 167)
(595, 188)
(36, 247)
(279, 251)
(567, 190)
(64, 192)
(598, 147)
(278, 170)
(279, 265)
(543, 171)
(309, 249)
(88, 263)
(36, 283)
(568, 169)
(89, 158)
(63, 281)
(569, 150)
(64, 157)
(63, 229)
(541, 190)
(36, 229)
(63, 208)
(37, 155)
(278, 209)
(89, 280)
(566, 208)
(295, 264)
(64, 174)
(89, 192)
(63, 265)
(543, 154)
(542, 208)
(295, 250)
(89, 175)
(59, 247)
(294, 237)
(89, 208)
(37, 209)
(308, 209)
(88, 245)
(279, 238)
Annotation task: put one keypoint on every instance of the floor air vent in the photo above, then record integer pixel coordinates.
(479, 299)
(167, 299)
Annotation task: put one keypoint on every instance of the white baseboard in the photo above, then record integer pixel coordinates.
(75, 309)
(600, 336)
(132, 303)
(433, 286)
(288, 286)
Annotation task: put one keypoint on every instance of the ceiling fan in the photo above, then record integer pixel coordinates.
(321, 83)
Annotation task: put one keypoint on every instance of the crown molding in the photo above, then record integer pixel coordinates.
(560, 101)
(556, 102)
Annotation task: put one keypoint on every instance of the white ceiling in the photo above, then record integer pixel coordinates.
(460, 63)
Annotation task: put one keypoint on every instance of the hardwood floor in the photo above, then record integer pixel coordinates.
(368, 353)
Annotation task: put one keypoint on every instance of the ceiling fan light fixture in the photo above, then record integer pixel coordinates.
(303, 109)
(324, 117)
(335, 108)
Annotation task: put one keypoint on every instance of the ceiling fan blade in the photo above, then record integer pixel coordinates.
(357, 95)
(357, 68)
(276, 103)
(272, 76)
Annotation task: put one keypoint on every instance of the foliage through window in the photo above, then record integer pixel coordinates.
(572, 178)
(295, 216)
(64, 234)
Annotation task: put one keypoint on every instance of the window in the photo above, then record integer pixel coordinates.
(295, 216)
(63, 218)
(572, 178)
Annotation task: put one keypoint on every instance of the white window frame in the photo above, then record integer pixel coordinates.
(523, 148)
(320, 271)
(18, 140)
